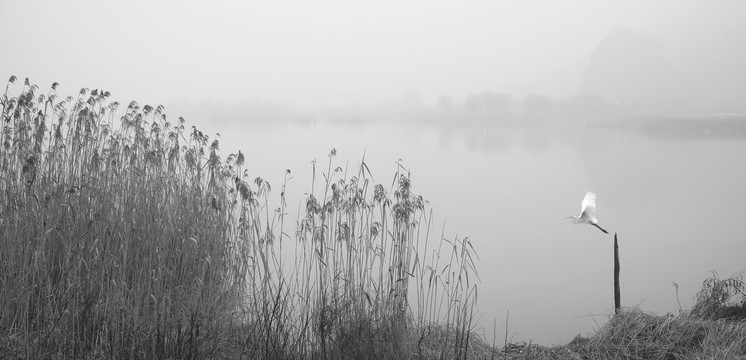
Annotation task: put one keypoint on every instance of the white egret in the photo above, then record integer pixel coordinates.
(588, 212)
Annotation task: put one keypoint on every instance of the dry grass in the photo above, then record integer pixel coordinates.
(715, 328)
(634, 334)
(131, 237)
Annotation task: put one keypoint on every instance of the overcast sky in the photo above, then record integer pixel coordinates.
(342, 51)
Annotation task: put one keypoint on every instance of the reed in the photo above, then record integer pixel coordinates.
(128, 236)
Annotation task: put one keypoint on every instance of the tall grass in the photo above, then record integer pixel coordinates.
(131, 237)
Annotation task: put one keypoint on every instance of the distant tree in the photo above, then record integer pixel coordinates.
(495, 104)
(537, 105)
(473, 104)
(488, 101)
(445, 105)
(505, 104)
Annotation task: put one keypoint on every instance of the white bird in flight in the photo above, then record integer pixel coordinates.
(588, 212)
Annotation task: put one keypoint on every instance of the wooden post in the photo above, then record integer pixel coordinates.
(617, 293)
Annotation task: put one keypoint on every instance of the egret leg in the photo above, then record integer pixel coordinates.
(600, 228)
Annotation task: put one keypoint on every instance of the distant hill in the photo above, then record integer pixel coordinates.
(631, 66)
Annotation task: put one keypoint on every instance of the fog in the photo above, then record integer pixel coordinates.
(507, 185)
(318, 53)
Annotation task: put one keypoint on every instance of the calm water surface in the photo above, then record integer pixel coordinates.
(675, 196)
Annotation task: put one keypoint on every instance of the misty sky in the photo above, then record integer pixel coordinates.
(336, 52)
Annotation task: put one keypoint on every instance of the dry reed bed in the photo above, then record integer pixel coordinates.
(128, 236)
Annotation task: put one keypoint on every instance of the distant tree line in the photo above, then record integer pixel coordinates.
(491, 105)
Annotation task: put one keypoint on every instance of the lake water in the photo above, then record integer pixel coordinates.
(675, 194)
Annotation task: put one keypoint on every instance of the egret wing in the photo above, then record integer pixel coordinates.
(588, 206)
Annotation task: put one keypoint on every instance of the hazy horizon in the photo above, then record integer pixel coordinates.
(339, 53)
(506, 185)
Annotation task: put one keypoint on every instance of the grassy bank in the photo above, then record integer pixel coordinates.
(715, 328)
(124, 235)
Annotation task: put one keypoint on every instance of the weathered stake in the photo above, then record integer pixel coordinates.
(617, 293)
